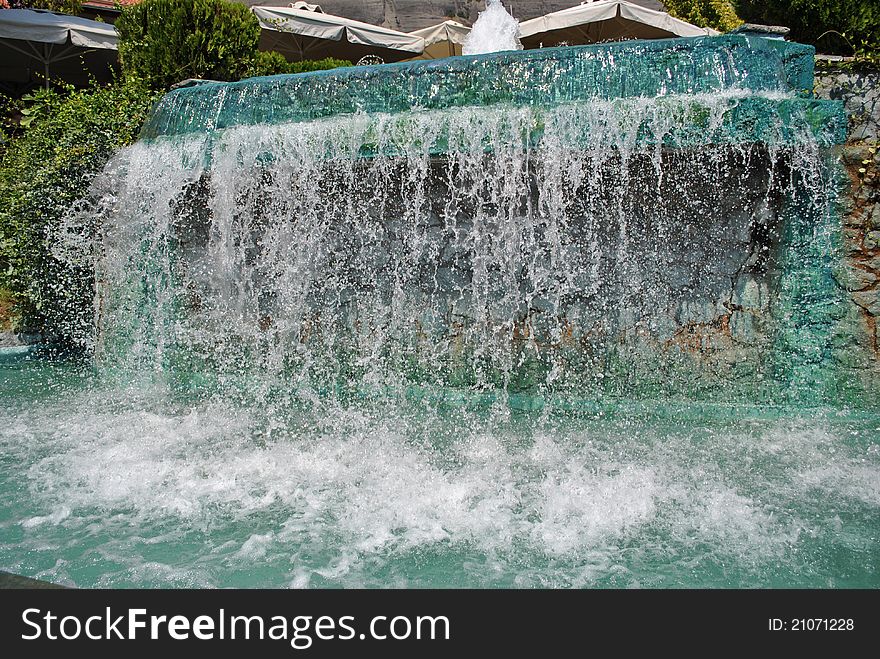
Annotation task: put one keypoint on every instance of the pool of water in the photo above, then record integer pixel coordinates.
(112, 484)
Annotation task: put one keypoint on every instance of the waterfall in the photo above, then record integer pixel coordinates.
(583, 249)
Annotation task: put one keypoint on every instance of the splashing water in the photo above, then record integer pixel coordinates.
(280, 257)
(531, 344)
(495, 31)
(122, 487)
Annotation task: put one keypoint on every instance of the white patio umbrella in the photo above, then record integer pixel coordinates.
(442, 40)
(68, 47)
(607, 20)
(303, 33)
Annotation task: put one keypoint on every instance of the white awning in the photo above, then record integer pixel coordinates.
(442, 40)
(34, 41)
(47, 27)
(607, 20)
(301, 34)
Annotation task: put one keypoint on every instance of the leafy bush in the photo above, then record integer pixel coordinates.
(9, 111)
(7, 306)
(717, 14)
(43, 172)
(843, 27)
(165, 41)
(273, 63)
(317, 65)
(267, 64)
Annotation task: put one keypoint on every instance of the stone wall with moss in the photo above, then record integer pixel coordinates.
(859, 89)
(859, 274)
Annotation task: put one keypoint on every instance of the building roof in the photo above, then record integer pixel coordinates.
(107, 4)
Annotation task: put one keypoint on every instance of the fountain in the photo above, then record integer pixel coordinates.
(564, 317)
(494, 31)
(565, 223)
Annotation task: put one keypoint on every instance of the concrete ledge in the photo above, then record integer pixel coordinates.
(10, 581)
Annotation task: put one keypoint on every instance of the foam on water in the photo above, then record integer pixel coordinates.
(144, 493)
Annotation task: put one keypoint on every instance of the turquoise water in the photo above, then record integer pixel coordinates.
(126, 485)
(560, 318)
(542, 78)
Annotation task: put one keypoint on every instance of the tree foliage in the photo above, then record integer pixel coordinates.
(717, 14)
(44, 170)
(165, 41)
(63, 6)
(843, 27)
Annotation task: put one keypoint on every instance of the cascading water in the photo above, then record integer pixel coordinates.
(495, 31)
(498, 267)
(582, 248)
(556, 318)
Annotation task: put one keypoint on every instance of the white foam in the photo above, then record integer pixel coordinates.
(55, 517)
(336, 497)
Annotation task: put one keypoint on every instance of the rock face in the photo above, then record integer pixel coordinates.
(9, 339)
(408, 15)
(860, 92)
(859, 275)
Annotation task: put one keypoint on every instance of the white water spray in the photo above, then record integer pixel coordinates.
(495, 31)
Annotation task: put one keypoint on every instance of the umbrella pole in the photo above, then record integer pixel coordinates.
(46, 64)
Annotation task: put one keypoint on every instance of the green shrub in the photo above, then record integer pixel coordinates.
(268, 64)
(843, 27)
(9, 108)
(717, 14)
(317, 65)
(165, 41)
(273, 63)
(43, 171)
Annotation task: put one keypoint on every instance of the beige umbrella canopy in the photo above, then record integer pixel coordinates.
(443, 40)
(304, 32)
(608, 20)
